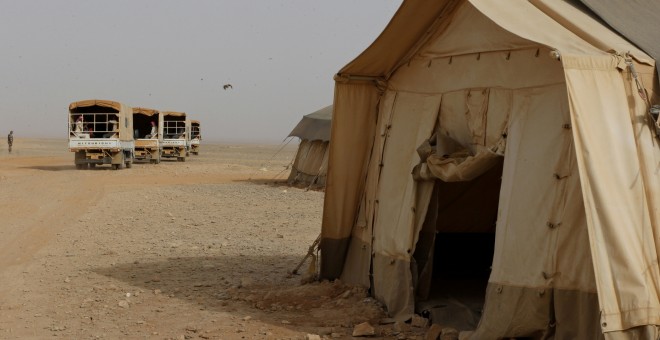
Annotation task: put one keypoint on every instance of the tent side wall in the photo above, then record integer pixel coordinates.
(353, 128)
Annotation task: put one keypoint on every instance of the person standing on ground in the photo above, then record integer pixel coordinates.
(10, 140)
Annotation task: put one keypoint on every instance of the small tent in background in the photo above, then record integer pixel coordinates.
(501, 150)
(311, 162)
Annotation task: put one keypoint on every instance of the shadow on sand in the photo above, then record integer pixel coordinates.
(263, 181)
(280, 183)
(103, 167)
(51, 167)
(228, 284)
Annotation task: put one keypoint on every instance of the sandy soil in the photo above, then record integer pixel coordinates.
(200, 249)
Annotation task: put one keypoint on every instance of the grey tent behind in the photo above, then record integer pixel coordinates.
(636, 20)
(505, 146)
(311, 162)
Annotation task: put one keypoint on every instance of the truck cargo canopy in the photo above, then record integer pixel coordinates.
(76, 106)
(174, 113)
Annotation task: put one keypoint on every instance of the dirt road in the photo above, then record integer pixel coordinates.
(199, 249)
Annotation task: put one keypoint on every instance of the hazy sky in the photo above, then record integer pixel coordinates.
(279, 55)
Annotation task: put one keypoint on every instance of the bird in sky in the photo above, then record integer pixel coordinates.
(227, 86)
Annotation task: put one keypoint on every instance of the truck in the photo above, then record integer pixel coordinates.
(195, 136)
(148, 134)
(176, 134)
(101, 132)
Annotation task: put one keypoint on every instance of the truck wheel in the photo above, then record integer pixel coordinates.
(79, 166)
(129, 165)
(116, 166)
(92, 165)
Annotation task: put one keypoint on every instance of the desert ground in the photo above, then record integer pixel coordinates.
(201, 249)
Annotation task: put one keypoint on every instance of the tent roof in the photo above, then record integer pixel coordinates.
(145, 111)
(409, 23)
(95, 102)
(314, 126)
(559, 25)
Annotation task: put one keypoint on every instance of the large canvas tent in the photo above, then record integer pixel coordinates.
(311, 162)
(524, 120)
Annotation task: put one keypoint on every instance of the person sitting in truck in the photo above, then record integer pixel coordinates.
(112, 127)
(78, 125)
(154, 131)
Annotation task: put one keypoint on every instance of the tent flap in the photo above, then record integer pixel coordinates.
(457, 169)
(620, 189)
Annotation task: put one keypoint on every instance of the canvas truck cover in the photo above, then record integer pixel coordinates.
(124, 114)
(314, 126)
(561, 83)
(145, 111)
(174, 113)
(96, 102)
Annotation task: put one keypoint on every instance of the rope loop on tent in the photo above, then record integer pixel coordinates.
(653, 110)
(313, 252)
(640, 88)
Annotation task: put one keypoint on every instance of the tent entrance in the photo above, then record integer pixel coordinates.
(454, 252)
